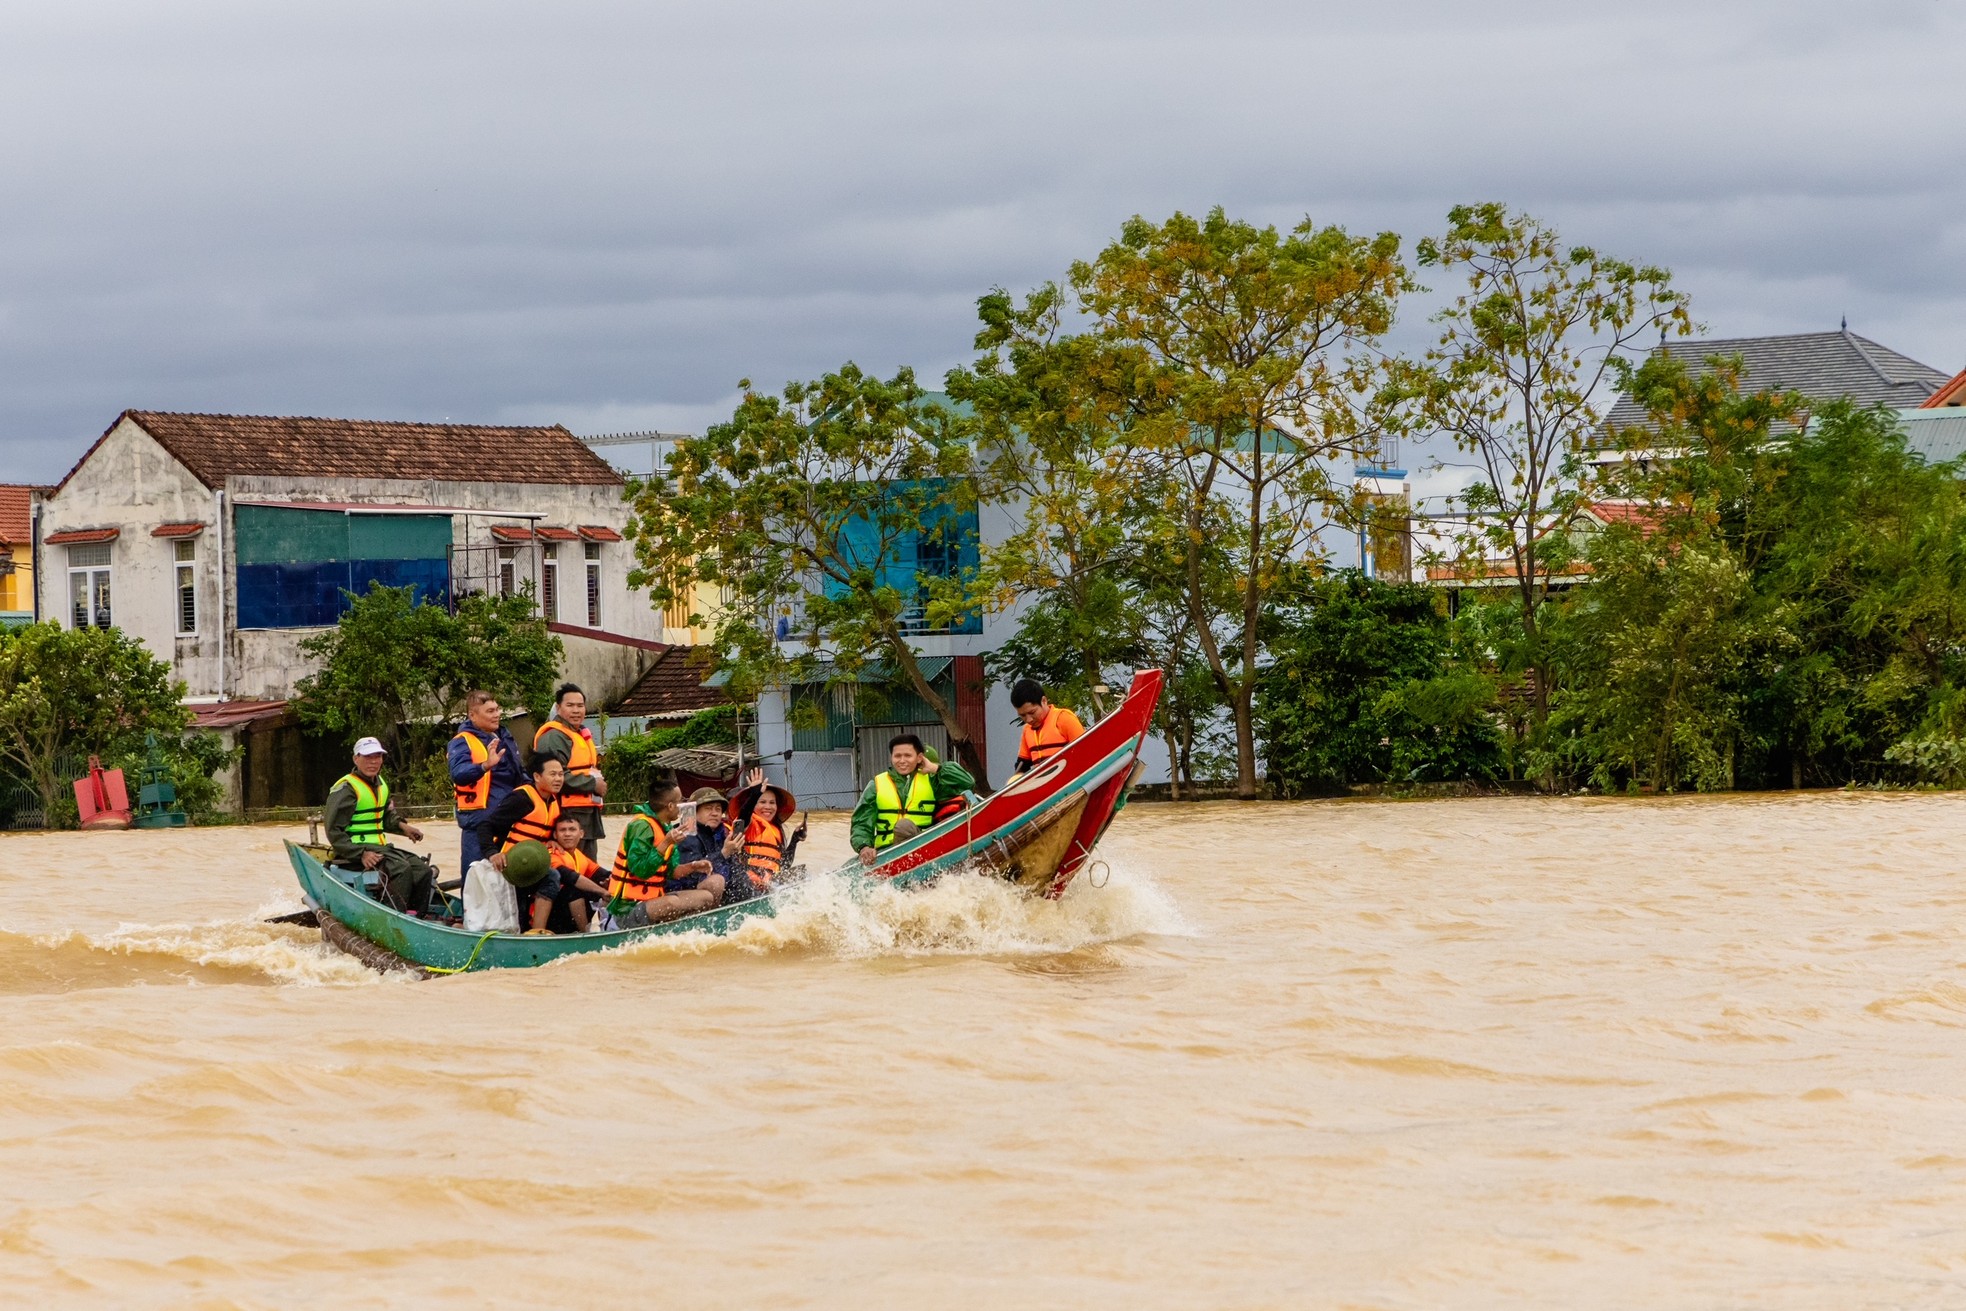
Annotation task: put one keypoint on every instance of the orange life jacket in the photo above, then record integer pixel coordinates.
(575, 864)
(764, 849)
(1059, 727)
(626, 886)
(473, 796)
(580, 762)
(537, 824)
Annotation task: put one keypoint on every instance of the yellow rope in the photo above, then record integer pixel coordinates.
(472, 959)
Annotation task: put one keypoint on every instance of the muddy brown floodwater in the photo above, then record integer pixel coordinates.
(1549, 1053)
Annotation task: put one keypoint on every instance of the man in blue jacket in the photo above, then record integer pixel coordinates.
(485, 767)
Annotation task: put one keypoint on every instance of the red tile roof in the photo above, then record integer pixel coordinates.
(217, 446)
(177, 530)
(597, 533)
(506, 532)
(16, 513)
(673, 687)
(1950, 392)
(79, 536)
(559, 534)
(1645, 518)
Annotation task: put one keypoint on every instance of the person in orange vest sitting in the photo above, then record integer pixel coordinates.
(568, 904)
(527, 814)
(761, 812)
(1047, 728)
(567, 739)
(650, 883)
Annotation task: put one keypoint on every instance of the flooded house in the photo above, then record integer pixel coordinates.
(223, 542)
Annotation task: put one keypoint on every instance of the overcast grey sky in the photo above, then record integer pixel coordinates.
(605, 214)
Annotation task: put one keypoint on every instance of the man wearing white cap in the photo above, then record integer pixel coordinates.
(357, 813)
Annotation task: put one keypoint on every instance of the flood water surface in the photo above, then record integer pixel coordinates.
(1547, 1053)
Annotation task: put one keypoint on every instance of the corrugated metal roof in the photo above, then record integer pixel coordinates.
(1938, 436)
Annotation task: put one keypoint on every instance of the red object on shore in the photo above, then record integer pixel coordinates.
(101, 799)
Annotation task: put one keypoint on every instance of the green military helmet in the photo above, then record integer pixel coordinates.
(928, 754)
(526, 864)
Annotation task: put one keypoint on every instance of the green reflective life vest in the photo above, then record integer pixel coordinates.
(365, 826)
(920, 807)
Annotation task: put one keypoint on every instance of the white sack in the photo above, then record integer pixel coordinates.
(490, 903)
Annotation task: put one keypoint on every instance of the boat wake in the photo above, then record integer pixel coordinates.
(826, 914)
(957, 915)
(243, 950)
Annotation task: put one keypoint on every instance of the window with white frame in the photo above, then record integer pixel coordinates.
(187, 586)
(549, 582)
(88, 585)
(593, 584)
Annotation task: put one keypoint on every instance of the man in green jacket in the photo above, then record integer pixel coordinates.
(902, 799)
(357, 813)
(650, 883)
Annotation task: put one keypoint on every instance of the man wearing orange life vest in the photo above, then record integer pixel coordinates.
(1047, 728)
(528, 815)
(649, 883)
(485, 767)
(579, 884)
(566, 738)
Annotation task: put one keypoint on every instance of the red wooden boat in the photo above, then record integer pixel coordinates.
(1041, 828)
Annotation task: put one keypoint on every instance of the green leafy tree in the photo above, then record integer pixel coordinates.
(1660, 649)
(1362, 688)
(1789, 612)
(400, 669)
(629, 758)
(816, 506)
(1254, 368)
(1515, 379)
(1052, 416)
(70, 693)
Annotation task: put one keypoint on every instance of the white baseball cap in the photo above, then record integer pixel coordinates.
(370, 746)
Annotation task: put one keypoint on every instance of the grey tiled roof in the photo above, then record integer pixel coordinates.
(1823, 366)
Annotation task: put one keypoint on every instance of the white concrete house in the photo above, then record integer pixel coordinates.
(224, 541)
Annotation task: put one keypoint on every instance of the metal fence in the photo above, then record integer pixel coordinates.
(20, 801)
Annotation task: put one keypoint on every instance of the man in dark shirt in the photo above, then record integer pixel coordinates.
(712, 841)
(485, 766)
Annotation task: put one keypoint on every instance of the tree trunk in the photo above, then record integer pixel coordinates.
(1245, 717)
(1173, 758)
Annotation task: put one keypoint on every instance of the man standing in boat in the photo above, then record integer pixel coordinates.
(485, 769)
(357, 813)
(566, 738)
(1048, 729)
(903, 798)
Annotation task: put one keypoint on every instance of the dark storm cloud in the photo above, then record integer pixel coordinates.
(607, 214)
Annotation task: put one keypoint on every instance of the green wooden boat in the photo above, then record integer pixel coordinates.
(1037, 833)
